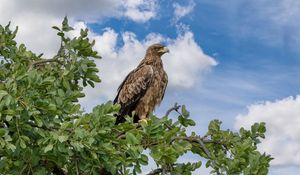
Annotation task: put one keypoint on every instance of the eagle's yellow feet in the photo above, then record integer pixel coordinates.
(143, 121)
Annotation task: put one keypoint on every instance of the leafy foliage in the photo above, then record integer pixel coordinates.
(43, 130)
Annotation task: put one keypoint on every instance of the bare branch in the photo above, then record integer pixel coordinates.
(198, 140)
(59, 54)
(156, 171)
(55, 59)
(204, 148)
(174, 108)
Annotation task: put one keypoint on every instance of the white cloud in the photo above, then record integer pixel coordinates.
(35, 18)
(181, 11)
(185, 64)
(186, 61)
(140, 10)
(282, 119)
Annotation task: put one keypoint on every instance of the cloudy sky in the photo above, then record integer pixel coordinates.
(234, 60)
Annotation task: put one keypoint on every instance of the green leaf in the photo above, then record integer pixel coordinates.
(61, 34)
(62, 138)
(143, 160)
(22, 143)
(2, 132)
(48, 81)
(185, 121)
(65, 25)
(38, 121)
(131, 139)
(56, 28)
(262, 127)
(94, 78)
(11, 146)
(52, 107)
(83, 33)
(48, 148)
(2, 94)
(184, 112)
(91, 83)
(191, 122)
(8, 118)
(79, 133)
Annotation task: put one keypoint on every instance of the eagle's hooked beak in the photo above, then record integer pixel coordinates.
(164, 50)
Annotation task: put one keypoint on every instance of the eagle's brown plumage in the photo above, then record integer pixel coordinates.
(144, 87)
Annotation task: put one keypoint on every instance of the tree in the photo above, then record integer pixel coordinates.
(44, 131)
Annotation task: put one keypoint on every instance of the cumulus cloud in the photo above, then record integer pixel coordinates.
(185, 64)
(140, 10)
(35, 18)
(282, 119)
(181, 10)
(93, 10)
(186, 61)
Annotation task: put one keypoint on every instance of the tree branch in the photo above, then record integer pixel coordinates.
(174, 108)
(197, 140)
(42, 127)
(201, 142)
(156, 171)
(59, 54)
(55, 59)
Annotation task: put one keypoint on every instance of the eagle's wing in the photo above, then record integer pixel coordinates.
(133, 88)
(164, 84)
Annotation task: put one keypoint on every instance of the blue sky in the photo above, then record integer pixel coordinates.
(234, 60)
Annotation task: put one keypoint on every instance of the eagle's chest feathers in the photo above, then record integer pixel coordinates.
(154, 93)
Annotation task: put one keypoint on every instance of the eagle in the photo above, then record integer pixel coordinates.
(144, 87)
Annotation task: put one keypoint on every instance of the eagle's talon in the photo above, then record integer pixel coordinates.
(144, 120)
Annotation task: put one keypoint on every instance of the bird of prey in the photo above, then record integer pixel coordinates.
(144, 87)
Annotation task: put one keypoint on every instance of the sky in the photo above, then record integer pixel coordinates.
(236, 60)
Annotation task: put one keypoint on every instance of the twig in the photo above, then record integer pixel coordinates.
(59, 54)
(42, 127)
(174, 108)
(204, 148)
(197, 140)
(55, 59)
(17, 126)
(77, 168)
(201, 142)
(205, 136)
(156, 171)
(122, 134)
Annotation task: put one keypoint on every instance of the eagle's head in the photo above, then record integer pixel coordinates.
(157, 49)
